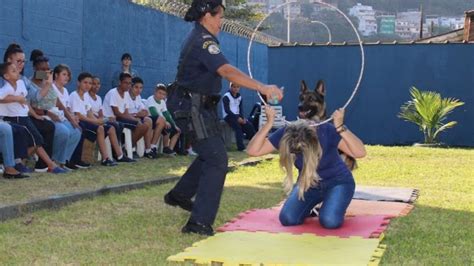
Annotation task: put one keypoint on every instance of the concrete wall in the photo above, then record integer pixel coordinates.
(92, 35)
(390, 72)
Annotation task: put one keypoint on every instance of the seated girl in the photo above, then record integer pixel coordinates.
(323, 176)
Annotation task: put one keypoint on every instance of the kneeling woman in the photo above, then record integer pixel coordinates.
(323, 176)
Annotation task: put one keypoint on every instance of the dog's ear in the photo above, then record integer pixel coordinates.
(320, 87)
(303, 87)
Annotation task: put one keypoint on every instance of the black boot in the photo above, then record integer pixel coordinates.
(197, 228)
(175, 200)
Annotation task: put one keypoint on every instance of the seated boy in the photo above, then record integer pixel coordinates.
(97, 109)
(93, 129)
(157, 107)
(138, 110)
(116, 105)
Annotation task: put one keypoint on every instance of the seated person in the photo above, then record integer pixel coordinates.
(116, 105)
(93, 128)
(61, 77)
(97, 109)
(138, 110)
(234, 116)
(323, 176)
(125, 68)
(67, 133)
(157, 107)
(15, 109)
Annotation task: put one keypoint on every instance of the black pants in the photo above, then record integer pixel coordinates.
(40, 132)
(20, 137)
(46, 129)
(240, 129)
(205, 177)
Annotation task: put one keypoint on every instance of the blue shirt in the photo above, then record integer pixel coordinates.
(199, 60)
(331, 164)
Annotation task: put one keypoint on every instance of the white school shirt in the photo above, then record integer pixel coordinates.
(78, 105)
(160, 107)
(136, 105)
(63, 97)
(96, 105)
(13, 109)
(113, 98)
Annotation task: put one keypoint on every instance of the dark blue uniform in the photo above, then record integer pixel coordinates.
(198, 80)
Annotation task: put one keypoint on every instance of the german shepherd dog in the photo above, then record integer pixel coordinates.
(313, 107)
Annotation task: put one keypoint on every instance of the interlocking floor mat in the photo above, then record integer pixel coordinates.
(368, 207)
(261, 248)
(408, 195)
(266, 220)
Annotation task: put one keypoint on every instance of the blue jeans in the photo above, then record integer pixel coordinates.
(335, 194)
(6, 144)
(66, 138)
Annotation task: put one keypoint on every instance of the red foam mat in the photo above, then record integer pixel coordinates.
(266, 220)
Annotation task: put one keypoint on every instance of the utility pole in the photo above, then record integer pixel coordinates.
(288, 22)
(421, 22)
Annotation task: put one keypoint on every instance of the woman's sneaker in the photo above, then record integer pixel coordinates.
(82, 165)
(57, 170)
(108, 162)
(70, 166)
(41, 170)
(22, 168)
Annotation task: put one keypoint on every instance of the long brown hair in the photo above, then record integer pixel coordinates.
(300, 137)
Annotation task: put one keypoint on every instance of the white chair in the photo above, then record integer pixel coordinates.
(129, 145)
(128, 142)
(279, 118)
(141, 147)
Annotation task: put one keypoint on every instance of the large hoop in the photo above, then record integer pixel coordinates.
(362, 67)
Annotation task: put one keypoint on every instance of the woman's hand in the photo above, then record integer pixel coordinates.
(338, 117)
(54, 116)
(47, 83)
(270, 113)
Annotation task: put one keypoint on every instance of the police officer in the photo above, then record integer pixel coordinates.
(195, 95)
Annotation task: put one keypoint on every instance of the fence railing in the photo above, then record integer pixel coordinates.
(179, 9)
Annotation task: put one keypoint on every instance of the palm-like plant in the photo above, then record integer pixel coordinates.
(429, 111)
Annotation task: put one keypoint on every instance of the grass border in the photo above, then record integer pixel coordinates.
(8, 212)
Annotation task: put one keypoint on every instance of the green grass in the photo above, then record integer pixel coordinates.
(42, 185)
(137, 228)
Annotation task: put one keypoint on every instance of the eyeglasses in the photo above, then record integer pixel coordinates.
(19, 61)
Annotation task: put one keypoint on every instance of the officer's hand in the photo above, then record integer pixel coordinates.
(272, 93)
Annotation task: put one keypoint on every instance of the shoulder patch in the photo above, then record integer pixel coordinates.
(206, 44)
(213, 49)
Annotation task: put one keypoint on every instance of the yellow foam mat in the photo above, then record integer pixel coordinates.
(261, 248)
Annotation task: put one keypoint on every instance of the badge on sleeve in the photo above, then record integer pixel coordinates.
(213, 49)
